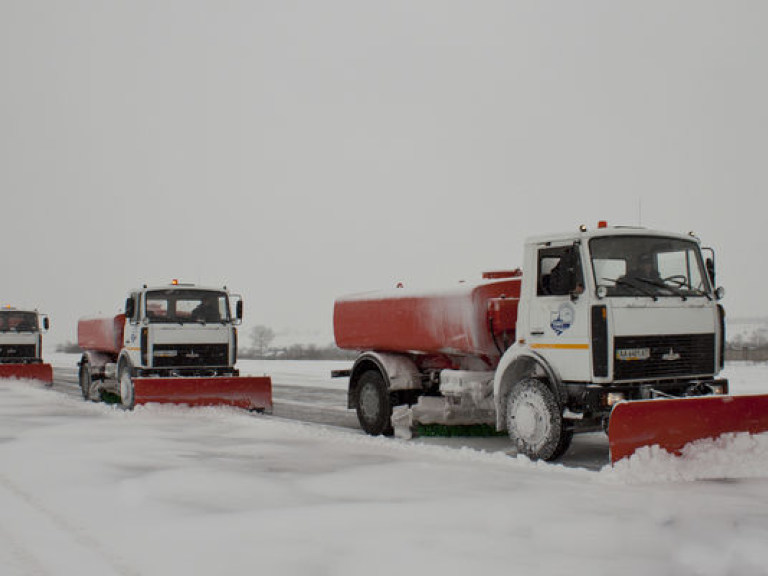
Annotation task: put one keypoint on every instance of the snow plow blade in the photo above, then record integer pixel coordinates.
(248, 392)
(673, 423)
(41, 372)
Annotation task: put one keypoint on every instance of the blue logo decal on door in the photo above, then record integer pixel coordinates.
(563, 318)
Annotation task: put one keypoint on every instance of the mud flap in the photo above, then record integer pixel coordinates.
(673, 423)
(248, 392)
(41, 372)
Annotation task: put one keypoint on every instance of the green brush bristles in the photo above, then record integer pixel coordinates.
(109, 397)
(457, 431)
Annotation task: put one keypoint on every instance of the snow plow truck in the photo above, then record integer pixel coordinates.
(172, 344)
(21, 345)
(614, 328)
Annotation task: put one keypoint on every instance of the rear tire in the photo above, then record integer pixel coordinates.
(374, 406)
(125, 386)
(86, 381)
(535, 421)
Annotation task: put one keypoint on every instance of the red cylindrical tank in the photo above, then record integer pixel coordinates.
(451, 322)
(101, 334)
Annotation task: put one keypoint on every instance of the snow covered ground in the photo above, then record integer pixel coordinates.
(90, 489)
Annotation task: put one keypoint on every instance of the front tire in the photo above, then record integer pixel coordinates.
(374, 405)
(125, 386)
(535, 422)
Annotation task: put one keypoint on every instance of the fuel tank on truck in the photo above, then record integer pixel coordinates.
(466, 320)
(101, 334)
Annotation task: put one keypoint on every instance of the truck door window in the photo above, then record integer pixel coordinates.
(132, 308)
(559, 271)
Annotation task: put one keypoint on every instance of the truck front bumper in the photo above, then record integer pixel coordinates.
(597, 400)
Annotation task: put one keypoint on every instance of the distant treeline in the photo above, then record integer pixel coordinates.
(753, 353)
(299, 352)
(752, 347)
(69, 347)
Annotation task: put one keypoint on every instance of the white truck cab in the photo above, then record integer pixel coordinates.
(180, 329)
(21, 338)
(173, 344)
(614, 314)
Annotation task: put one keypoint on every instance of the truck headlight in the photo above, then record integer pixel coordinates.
(718, 389)
(613, 398)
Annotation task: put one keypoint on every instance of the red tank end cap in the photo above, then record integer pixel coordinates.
(103, 334)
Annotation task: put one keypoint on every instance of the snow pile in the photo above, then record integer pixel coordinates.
(731, 456)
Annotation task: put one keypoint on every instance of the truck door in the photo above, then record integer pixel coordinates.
(559, 321)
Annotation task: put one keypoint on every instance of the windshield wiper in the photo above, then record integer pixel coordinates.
(700, 292)
(677, 290)
(661, 284)
(626, 282)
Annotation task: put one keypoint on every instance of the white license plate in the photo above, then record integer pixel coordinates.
(629, 354)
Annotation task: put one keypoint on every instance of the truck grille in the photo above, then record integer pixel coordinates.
(653, 357)
(189, 355)
(12, 352)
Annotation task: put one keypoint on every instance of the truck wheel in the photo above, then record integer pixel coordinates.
(535, 422)
(565, 443)
(125, 382)
(374, 409)
(86, 382)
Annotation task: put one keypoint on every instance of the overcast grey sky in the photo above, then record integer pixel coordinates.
(298, 151)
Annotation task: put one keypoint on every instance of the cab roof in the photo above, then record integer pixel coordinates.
(13, 309)
(181, 286)
(588, 234)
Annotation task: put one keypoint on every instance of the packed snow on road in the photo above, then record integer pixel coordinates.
(91, 489)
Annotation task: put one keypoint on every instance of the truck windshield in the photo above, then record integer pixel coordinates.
(649, 266)
(176, 305)
(15, 321)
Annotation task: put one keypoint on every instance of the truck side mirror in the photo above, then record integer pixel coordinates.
(130, 308)
(575, 277)
(46, 323)
(710, 264)
(239, 310)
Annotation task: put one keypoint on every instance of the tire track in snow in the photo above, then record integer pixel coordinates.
(46, 542)
(24, 560)
(301, 403)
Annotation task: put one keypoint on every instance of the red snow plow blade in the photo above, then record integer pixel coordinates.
(673, 423)
(248, 392)
(42, 372)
